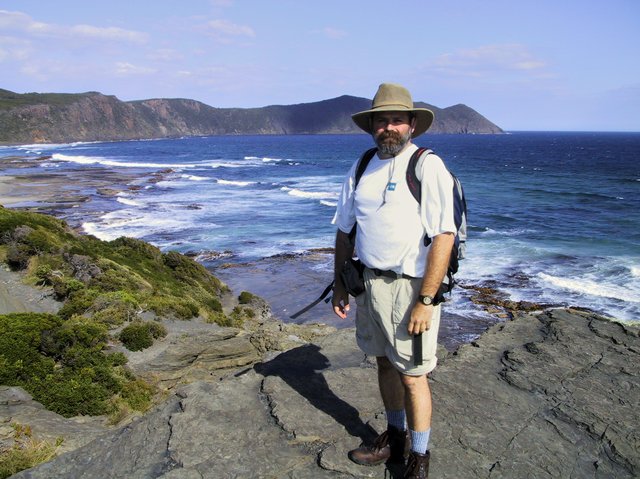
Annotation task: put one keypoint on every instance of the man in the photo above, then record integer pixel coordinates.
(402, 275)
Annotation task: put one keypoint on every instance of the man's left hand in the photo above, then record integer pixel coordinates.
(420, 319)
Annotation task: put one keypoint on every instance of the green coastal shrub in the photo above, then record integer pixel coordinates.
(171, 306)
(142, 248)
(140, 335)
(137, 394)
(78, 302)
(240, 314)
(62, 364)
(42, 240)
(235, 319)
(214, 304)
(60, 359)
(80, 267)
(115, 308)
(246, 297)
(64, 287)
(18, 256)
(218, 317)
(22, 339)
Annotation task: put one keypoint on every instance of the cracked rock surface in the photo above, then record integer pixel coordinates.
(546, 395)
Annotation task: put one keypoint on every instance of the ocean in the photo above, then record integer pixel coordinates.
(553, 216)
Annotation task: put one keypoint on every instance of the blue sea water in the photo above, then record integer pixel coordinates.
(553, 217)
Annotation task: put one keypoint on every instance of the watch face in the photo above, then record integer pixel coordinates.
(427, 300)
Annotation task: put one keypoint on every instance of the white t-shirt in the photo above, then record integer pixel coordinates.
(391, 224)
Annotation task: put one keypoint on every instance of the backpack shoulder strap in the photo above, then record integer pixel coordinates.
(363, 162)
(413, 182)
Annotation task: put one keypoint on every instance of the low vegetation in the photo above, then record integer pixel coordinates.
(139, 335)
(25, 452)
(64, 360)
(63, 365)
(110, 281)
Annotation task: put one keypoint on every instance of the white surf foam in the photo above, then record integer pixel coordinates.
(309, 194)
(98, 160)
(194, 177)
(591, 287)
(128, 201)
(235, 183)
(133, 223)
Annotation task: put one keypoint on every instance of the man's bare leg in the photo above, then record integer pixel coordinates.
(390, 384)
(417, 402)
(390, 445)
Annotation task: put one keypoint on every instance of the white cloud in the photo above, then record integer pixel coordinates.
(334, 33)
(107, 33)
(166, 55)
(14, 49)
(488, 60)
(14, 20)
(20, 22)
(225, 31)
(128, 69)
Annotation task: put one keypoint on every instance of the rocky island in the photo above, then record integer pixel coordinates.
(221, 389)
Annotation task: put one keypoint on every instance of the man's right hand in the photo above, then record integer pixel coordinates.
(340, 301)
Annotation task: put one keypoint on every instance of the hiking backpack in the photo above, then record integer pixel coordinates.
(459, 210)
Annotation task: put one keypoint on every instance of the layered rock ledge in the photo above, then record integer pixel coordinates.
(545, 395)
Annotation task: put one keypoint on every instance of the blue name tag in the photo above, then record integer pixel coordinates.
(391, 186)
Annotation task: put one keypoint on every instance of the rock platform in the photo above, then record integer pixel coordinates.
(545, 395)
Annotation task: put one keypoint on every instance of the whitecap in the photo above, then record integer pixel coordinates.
(228, 164)
(591, 287)
(332, 204)
(93, 160)
(43, 146)
(508, 232)
(235, 183)
(194, 177)
(133, 223)
(128, 202)
(308, 194)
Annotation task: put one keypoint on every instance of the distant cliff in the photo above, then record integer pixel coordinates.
(57, 118)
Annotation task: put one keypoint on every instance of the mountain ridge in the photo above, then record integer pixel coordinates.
(93, 116)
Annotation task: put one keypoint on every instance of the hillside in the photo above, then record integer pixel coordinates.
(91, 116)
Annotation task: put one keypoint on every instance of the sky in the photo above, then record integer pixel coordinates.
(524, 64)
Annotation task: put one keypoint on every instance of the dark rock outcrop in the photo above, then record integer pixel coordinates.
(50, 118)
(546, 395)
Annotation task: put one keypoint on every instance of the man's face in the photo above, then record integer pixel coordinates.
(391, 131)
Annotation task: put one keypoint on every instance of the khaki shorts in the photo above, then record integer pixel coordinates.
(382, 316)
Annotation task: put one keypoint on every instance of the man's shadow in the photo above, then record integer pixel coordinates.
(301, 368)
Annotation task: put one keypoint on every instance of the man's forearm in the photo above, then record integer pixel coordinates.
(437, 263)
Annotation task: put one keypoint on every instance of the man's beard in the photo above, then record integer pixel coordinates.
(391, 142)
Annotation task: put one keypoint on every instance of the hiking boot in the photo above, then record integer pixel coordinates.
(417, 466)
(388, 446)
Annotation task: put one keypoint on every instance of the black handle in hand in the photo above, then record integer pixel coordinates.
(417, 349)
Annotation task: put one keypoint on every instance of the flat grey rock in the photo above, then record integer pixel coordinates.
(543, 396)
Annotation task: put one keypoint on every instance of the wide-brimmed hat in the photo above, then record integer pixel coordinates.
(393, 97)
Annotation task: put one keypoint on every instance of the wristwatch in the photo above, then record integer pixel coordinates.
(425, 299)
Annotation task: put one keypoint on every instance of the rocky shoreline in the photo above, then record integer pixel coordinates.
(546, 394)
(550, 393)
